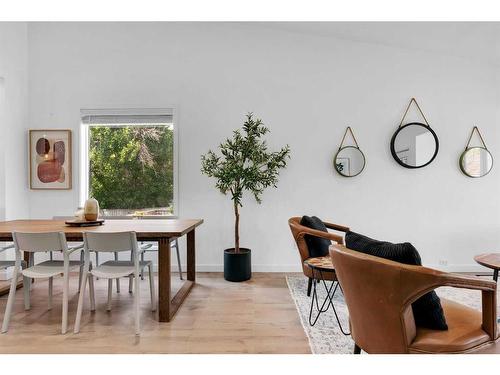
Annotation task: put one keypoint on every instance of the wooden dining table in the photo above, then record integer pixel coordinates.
(161, 231)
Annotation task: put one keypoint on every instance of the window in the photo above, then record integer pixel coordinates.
(128, 161)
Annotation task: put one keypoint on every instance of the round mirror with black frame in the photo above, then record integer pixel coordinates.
(349, 161)
(415, 144)
(476, 161)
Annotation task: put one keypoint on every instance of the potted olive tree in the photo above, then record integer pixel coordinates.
(245, 164)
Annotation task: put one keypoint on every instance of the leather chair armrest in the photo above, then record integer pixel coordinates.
(326, 235)
(421, 280)
(340, 228)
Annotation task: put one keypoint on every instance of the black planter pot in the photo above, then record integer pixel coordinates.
(237, 266)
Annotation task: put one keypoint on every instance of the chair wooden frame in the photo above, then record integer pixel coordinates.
(370, 283)
(299, 232)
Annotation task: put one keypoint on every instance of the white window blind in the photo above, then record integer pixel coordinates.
(126, 117)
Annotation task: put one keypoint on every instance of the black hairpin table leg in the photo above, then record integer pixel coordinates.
(328, 301)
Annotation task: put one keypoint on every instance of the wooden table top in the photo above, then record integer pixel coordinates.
(491, 260)
(144, 228)
(322, 263)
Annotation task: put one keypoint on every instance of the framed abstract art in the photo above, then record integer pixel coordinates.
(50, 159)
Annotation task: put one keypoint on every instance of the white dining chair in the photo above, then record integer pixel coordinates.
(174, 244)
(114, 269)
(79, 244)
(42, 242)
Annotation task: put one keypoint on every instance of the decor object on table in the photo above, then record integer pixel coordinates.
(84, 223)
(414, 145)
(349, 161)
(91, 209)
(390, 287)
(79, 213)
(245, 165)
(476, 161)
(50, 159)
(313, 240)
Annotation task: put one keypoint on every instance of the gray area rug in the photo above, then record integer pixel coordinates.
(325, 337)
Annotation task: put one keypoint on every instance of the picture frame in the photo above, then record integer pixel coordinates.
(50, 159)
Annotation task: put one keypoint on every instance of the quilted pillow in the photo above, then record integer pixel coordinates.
(427, 310)
(318, 247)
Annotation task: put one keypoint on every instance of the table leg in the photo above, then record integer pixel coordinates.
(191, 264)
(495, 275)
(168, 305)
(328, 301)
(163, 280)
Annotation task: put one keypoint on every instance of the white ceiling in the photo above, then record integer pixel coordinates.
(475, 40)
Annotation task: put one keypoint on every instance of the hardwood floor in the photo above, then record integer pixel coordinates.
(257, 316)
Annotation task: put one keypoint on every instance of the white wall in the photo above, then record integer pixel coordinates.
(13, 121)
(13, 159)
(307, 89)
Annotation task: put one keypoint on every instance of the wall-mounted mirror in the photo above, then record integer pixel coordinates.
(476, 161)
(414, 145)
(349, 161)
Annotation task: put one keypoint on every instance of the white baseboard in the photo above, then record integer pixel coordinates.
(296, 268)
(255, 268)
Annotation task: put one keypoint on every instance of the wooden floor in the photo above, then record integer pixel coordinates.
(257, 316)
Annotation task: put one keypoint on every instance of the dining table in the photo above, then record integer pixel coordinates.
(162, 231)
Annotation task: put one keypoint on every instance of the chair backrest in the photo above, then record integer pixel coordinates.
(298, 232)
(376, 294)
(110, 242)
(40, 242)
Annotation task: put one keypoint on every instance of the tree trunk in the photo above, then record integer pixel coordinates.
(236, 228)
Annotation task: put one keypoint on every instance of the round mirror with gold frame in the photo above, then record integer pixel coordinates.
(349, 161)
(476, 161)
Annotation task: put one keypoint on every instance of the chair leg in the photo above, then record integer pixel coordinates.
(110, 290)
(130, 283)
(136, 302)
(10, 301)
(92, 293)
(152, 287)
(142, 271)
(97, 261)
(64, 327)
(80, 302)
(26, 289)
(357, 349)
(51, 286)
(81, 270)
(178, 259)
(117, 280)
(309, 286)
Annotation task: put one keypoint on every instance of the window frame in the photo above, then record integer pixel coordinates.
(84, 162)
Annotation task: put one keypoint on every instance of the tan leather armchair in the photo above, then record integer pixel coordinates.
(379, 294)
(299, 231)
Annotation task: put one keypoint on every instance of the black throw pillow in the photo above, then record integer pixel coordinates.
(427, 310)
(318, 247)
